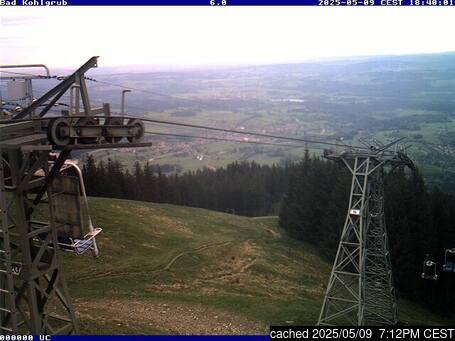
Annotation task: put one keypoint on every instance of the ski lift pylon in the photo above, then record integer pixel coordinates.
(429, 271)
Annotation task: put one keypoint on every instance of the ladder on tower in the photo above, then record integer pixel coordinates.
(8, 268)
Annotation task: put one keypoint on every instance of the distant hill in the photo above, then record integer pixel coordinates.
(385, 97)
(168, 269)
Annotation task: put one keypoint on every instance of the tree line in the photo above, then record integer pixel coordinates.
(311, 199)
(245, 188)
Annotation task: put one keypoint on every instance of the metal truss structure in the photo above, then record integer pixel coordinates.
(34, 297)
(34, 293)
(360, 289)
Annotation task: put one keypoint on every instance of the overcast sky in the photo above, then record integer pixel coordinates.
(66, 37)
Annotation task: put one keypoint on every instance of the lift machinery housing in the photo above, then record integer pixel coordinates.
(35, 150)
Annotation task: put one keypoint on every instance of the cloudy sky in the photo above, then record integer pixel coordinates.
(66, 37)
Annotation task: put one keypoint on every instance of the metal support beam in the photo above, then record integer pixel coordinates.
(58, 90)
(360, 289)
(34, 295)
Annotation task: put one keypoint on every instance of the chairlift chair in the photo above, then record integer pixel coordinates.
(429, 270)
(75, 230)
(327, 152)
(449, 260)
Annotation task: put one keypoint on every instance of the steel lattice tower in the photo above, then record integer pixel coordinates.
(360, 289)
(34, 297)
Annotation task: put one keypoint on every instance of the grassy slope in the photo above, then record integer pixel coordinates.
(172, 269)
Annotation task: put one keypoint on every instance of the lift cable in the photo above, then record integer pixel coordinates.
(101, 82)
(27, 74)
(243, 132)
(225, 139)
(135, 89)
(214, 128)
(188, 125)
(112, 84)
(197, 126)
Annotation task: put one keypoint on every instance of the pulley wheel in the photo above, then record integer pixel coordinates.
(138, 132)
(58, 131)
(108, 131)
(87, 121)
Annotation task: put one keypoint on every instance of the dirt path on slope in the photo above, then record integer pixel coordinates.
(165, 267)
(170, 317)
